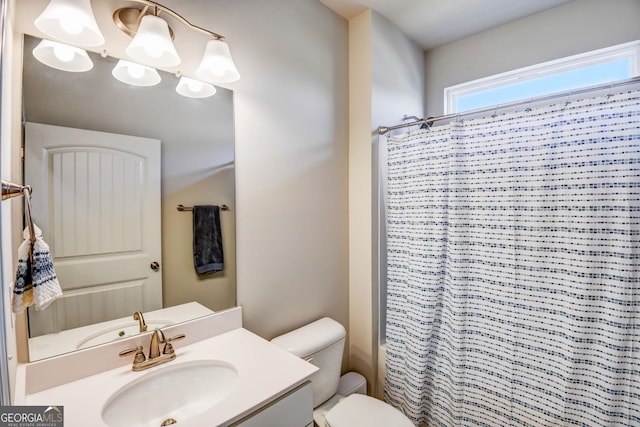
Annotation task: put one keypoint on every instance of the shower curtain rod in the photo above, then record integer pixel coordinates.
(430, 120)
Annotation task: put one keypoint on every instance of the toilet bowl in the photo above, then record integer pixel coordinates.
(337, 401)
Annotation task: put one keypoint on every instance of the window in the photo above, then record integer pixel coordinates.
(588, 69)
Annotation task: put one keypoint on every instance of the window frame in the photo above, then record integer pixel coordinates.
(630, 50)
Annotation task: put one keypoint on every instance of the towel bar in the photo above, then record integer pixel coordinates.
(9, 189)
(183, 208)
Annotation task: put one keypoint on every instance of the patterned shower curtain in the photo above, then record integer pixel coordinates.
(513, 294)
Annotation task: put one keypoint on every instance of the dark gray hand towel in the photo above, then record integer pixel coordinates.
(207, 239)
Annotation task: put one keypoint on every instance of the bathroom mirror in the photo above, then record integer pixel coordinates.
(197, 168)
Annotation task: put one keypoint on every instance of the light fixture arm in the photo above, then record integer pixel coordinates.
(141, 15)
(160, 8)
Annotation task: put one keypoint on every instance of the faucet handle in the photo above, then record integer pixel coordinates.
(168, 347)
(139, 354)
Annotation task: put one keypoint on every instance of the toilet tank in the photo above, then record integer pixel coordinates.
(320, 343)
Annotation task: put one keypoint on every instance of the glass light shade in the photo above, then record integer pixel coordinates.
(217, 66)
(135, 74)
(62, 57)
(194, 88)
(70, 21)
(152, 44)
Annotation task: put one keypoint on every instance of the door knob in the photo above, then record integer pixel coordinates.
(155, 266)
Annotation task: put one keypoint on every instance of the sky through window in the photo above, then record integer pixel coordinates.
(558, 82)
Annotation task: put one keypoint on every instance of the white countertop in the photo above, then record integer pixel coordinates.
(265, 372)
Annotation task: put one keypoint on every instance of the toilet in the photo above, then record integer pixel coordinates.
(337, 401)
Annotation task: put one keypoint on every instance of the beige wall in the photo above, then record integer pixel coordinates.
(576, 27)
(361, 295)
(291, 159)
(386, 83)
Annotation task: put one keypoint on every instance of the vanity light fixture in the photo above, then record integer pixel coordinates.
(62, 57)
(216, 66)
(70, 21)
(194, 88)
(135, 74)
(152, 43)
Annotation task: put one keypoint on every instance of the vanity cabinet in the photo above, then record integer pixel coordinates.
(294, 409)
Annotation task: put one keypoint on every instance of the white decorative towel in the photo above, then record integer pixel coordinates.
(23, 288)
(36, 280)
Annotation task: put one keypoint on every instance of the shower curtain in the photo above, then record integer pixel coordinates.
(513, 274)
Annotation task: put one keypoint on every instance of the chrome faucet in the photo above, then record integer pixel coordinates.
(140, 318)
(156, 357)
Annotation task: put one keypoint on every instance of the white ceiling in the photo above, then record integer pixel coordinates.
(432, 23)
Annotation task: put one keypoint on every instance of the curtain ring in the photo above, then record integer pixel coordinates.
(405, 119)
(529, 109)
(567, 101)
(609, 94)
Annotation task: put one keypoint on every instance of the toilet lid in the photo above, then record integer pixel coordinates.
(358, 410)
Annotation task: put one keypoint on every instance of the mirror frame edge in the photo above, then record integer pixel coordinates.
(5, 395)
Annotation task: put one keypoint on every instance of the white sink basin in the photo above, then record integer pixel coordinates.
(177, 391)
(118, 332)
